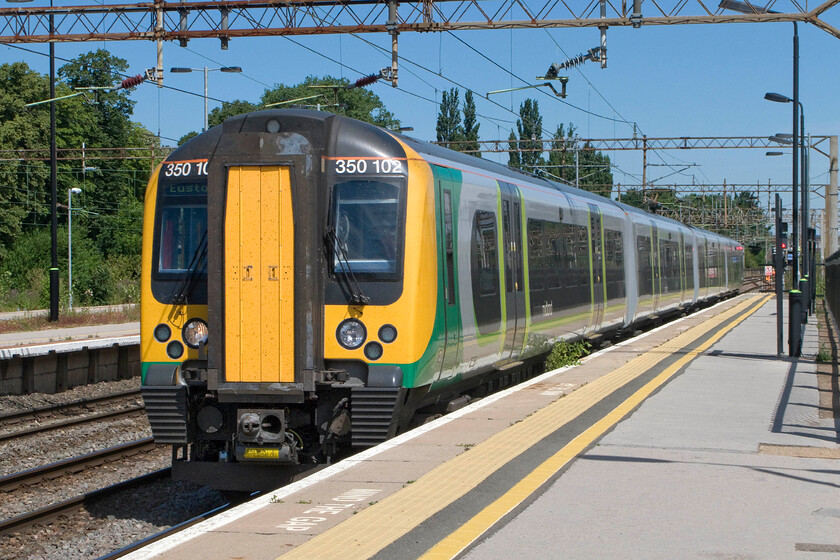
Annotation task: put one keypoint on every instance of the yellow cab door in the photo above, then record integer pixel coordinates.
(258, 275)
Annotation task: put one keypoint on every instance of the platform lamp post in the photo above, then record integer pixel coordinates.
(794, 325)
(70, 193)
(53, 176)
(803, 182)
(206, 70)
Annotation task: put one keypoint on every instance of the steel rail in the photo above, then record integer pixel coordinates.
(74, 464)
(166, 532)
(51, 512)
(64, 406)
(137, 409)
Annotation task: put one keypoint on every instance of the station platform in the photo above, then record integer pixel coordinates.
(691, 441)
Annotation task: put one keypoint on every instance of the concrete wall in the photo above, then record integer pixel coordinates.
(61, 367)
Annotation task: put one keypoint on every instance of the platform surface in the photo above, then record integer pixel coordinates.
(676, 444)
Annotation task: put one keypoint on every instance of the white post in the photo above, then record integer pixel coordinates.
(205, 99)
(70, 193)
(70, 248)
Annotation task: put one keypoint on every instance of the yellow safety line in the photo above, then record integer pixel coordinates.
(375, 527)
(457, 541)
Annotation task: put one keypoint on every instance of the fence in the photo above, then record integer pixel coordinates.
(832, 283)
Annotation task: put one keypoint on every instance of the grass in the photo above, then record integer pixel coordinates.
(823, 356)
(39, 320)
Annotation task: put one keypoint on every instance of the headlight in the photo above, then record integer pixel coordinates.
(351, 334)
(195, 332)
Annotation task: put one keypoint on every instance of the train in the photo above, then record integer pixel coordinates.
(312, 283)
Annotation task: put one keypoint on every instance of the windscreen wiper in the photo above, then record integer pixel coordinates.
(199, 258)
(355, 292)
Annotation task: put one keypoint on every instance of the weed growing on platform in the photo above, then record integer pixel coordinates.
(566, 353)
(276, 500)
(823, 356)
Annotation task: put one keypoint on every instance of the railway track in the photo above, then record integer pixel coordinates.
(49, 513)
(167, 532)
(37, 420)
(72, 466)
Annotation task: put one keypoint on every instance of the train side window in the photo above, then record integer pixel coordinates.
(537, 253)
(614, 249)
(450, 248)
(645, 265)
(484, 265)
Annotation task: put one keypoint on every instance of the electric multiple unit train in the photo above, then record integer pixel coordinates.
(311, 281)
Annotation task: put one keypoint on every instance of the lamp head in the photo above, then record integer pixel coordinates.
(777, 97)
(780, 139)
(774, 154)
(180, 70)
(234, 69)
(75, 190)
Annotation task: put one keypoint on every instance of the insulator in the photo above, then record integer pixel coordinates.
(362, 82)
(132, 81)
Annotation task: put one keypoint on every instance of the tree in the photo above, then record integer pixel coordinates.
(111, 109)
(332, 95)
(561, 159)
(529, 127)
(107, 227)
(595, 174)
(513, 155)
(22, 128)
(579, 165)
(470, 128)
(228, 109)
(335, 97)
(449, 118)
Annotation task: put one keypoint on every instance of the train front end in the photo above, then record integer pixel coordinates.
(278, 302)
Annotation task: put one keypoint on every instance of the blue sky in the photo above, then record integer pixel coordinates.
(683, 80)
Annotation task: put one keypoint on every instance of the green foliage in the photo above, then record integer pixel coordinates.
(823, 356)
(449, 127)
(514, 160)
(529, 127)
(566, 353)
(358, 103)
(24, 272)
(754, 257)
(228, 109)
(578, 165)
(330, 94)
(470, 126)
(107, 215)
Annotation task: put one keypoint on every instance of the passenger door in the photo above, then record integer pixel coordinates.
(598, 273)
(514, 272)
(448, 260)
(259, 275)
(655, 262)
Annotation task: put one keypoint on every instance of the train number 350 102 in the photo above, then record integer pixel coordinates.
(185, 168)
(350, 166)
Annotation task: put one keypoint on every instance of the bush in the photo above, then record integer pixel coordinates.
(566, 353)
(97, 280)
